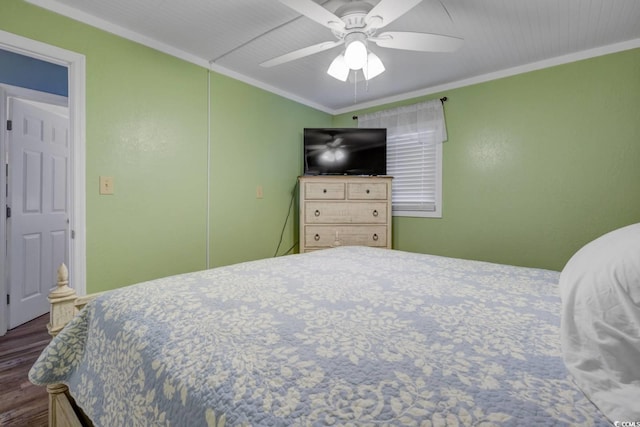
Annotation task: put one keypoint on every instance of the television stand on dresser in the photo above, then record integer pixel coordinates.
(344, 210)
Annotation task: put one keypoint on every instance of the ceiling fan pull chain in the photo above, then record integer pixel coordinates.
(355, 87)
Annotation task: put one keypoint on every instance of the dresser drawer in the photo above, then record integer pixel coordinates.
(324, 190)
(367, 191)
(345, 213)
(330, 236)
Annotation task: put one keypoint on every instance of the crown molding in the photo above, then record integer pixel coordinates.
(62, 9)
(539, 65)
(75, 14)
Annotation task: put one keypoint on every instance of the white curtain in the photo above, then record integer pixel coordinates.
(424, 117)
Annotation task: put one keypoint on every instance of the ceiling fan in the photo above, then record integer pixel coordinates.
(329, 147)
(355, 24)
(331, 151)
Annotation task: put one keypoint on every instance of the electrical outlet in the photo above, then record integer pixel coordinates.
(259, 192)
(106, 185)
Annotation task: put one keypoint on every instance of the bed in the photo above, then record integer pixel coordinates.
(346, 336)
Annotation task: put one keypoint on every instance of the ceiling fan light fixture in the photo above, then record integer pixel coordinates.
(338, 69)
(355, 24)
(355, 55)
(373, 67)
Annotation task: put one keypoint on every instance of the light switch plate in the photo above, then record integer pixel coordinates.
(106, 185)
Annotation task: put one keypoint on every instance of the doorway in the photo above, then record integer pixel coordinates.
(76, 239)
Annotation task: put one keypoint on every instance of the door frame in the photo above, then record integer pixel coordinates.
(75, 64)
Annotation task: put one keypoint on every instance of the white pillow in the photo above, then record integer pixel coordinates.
(600, 329)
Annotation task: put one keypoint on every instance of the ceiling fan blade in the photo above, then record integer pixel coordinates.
(421, 42)
(388, 11)
(314, 11)
(336, 142)
(301, 53)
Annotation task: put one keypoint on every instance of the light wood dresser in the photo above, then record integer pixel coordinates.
(344, 211)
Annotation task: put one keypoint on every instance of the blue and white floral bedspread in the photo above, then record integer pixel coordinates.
(347, 336)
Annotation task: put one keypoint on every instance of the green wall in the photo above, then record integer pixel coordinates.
(146, 125)
(536, 164)
(257, 141)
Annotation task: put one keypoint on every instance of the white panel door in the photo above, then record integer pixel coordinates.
(38, 196)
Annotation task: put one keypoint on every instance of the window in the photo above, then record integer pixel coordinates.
(415, 161)
(414, 156)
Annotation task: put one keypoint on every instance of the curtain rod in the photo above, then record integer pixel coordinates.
(443, 100)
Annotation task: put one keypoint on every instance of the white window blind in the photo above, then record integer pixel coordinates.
(414, 155)
(411, 160)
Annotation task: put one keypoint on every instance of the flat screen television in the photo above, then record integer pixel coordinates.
(345, 151)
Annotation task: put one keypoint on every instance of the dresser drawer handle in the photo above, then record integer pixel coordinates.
(324, 190)
(375, 212)
(317, 212)
(368, 191)
(316, 237)
(375, 237)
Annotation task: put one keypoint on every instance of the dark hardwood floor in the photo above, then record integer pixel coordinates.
(22, 403)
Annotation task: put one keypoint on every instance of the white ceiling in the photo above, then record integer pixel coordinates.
(501, 37)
